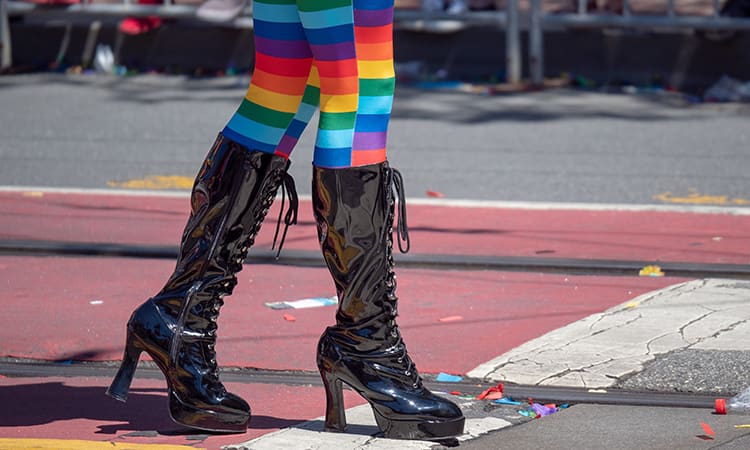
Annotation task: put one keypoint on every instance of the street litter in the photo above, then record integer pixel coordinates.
(597, 391)
(493, 393)
(461, 395)
(728, 89)
(739, 404)
(746, 425)
(506, 401)
(537, 410)
(651, 271)
(289, 318)
(435, 194)
(708, 430)
(304, 303)
(451, 319)
(96, 302)
(448, 378)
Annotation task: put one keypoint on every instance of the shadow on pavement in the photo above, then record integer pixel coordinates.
(145, 412)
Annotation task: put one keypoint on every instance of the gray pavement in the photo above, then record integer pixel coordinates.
(598, 427)
(554, 146)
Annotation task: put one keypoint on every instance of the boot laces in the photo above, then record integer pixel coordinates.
(396, 180)
(406, 365)
(285, 180)
(287, 187)
(395, 184)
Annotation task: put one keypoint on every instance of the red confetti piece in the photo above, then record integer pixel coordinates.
(435, 194)
(289, 318)
(707, 428)
(492, 393)
(451, 319)
(456, 393)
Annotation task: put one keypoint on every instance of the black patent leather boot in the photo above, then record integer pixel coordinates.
(177, 327)
(354, 209)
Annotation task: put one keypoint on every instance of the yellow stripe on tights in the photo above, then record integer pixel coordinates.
(273, 100)
(376, 69)
(338, 103)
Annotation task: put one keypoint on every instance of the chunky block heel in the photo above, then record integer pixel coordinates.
(335, 413)
(121, 384)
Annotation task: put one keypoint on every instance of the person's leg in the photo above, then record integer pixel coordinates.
(283, 62)
(307, 108)
(354, 207)
(329, 27)
(231, 196)
(373, 31)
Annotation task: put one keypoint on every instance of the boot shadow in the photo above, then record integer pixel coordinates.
(145, 413)
(351, 428)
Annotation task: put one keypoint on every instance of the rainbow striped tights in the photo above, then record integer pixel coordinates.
(337, 54)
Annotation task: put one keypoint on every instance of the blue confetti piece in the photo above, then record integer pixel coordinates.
(506, 401)
(448, 378)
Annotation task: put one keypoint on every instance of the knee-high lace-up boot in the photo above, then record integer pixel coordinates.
(354, 209)
(177, 327)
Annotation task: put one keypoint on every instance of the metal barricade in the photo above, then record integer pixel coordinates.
(670, 21)
(86, 10)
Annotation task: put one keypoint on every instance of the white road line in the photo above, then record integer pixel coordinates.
(457, 203)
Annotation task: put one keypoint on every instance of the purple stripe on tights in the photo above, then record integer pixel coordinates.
(286, 145)
(334, 52)
(372, 18)
(283, 49)
(369, 141)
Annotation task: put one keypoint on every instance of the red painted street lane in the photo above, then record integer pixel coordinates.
(621, 235)
(76, 408)
(76, 309)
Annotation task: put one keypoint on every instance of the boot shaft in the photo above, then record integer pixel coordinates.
(354, 211)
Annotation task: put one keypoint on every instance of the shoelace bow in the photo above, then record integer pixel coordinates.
(402, 230)
(287, 187)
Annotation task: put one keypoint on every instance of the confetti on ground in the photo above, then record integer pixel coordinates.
(651, 271)
(304, 303)
(506, 401)
(451, 319)
(448, 378)
(493, 393)
(289, 318)
(707, 428)
(435, 194)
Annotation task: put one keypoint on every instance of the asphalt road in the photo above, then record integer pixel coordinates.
(553, 146)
